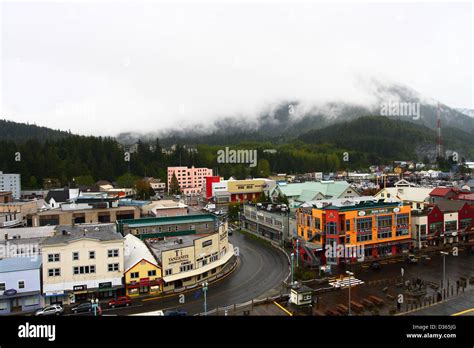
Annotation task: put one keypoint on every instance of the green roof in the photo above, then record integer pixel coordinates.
(301, 191)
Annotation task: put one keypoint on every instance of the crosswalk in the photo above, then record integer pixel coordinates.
(345, 282)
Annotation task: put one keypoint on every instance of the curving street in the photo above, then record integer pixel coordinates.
(260, 272)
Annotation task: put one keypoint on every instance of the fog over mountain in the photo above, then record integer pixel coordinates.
(291, 118)
(107, 67)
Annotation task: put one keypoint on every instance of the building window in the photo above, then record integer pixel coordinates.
(113, 253)
(83, 269)
(134, 275)
(152, 273)
(91, 255)
(186, 268)
(168, 272)
(331, 228)
(384, 222)
(348, 225)
(2, 286)
(384, 234)
(75, 256)
(113, 267)
(54, 272)
(450, 225)
(364, 224)
(53, 257)
(402, 219)
(21, 284)
(465, 223)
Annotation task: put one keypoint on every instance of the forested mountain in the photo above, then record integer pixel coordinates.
(21, 132)
(366, 140)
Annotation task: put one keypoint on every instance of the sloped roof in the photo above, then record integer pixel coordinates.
(16, 264)
(450, 205)
(330, 189)
(58, 195)
(135, 251)
(442, 191)
(405, 193)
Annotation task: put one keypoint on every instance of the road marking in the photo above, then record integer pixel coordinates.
(346, 282)
(463, 312)
(283, 308)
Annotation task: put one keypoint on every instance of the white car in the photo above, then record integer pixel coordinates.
(50, 310)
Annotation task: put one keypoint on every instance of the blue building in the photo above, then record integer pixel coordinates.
(20, 284)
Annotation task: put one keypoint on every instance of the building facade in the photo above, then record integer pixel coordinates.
(80, 263)
(190, 180)
(374, 228)
(226, 191)
(272, 223)
(20, 284)
(142, 274)
(12, 183)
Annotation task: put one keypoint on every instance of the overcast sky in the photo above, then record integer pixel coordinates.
(130, 66)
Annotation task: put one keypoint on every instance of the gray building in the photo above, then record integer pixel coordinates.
(267, 220)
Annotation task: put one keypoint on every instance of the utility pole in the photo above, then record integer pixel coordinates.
(292, 268)
(444, 253)
(350, 275)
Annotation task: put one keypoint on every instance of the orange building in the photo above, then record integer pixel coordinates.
(374, 227)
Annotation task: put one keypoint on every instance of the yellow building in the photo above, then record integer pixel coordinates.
(142, 274)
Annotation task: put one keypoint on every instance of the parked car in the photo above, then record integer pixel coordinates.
(82, 307)
(375, 265)
(230, 232)
(412, 259)
(120, 302)
(175, 313)
(54, 309)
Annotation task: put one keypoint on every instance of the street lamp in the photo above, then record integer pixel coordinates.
(350, 275)
(444, 253)
(95, 305)
(204, 290)
(297, 252)
(292, 268)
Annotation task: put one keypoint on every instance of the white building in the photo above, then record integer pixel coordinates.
(20, 284)
(11, 182)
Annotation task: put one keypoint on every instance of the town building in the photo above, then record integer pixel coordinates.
(447, 222)
(60, 196)
(23, 241)
(160, 227)
(142, 274)
(82, 262)
(72, 213)
(6, 197)
(189, 259)
(157, 186)
(20, 284)
(406, 192)
(266, 220)
(190, 180)
(443, 193)
(11, 219)
(161, 208)
(226, 191)
(25, 209)
(374, 228)
(298, 193)
(12, 183)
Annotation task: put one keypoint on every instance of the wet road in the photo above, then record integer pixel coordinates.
(382, 282)
(260, 272)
